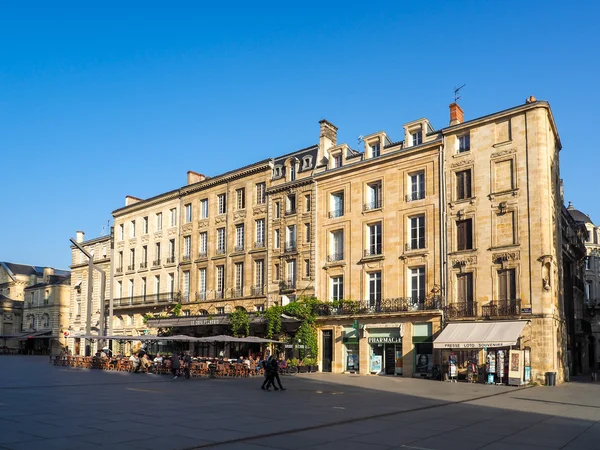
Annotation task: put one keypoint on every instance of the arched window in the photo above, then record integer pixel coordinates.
(240, 308)
(203, 312)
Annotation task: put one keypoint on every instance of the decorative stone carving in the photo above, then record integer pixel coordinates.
(132, 242)
(508, 151)
(505, 256)
(260, 209)
(464, 162)
(239, 214)
(461, 262)
(145, 239)
(187, 228)
(203, 223)
(220, 219)
(172, 232)
(158, 235)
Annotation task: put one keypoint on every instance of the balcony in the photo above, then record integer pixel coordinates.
(259, 244)
(119, 270)
(185, 297)
(156, 263)
(336, 213)
(239, 248)
(388, 305)
(144, 265)
(203, 254)
(460, 310)
(148, 299)
(220, 251)
(287, 285)
(335, 257)
(374, 250)
(415, 246)
(219, 295)
(290, 247)
(257, 291)
(290, 211)
(237, 293)
(200, 295)
(375, 204)
(415, 196)
(171, 259)
(186, 258)
(502, 308)
(131, 267)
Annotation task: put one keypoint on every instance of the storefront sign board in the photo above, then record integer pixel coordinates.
(385, 340)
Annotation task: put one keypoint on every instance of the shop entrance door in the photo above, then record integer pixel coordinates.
(390, 359)
(327, 350)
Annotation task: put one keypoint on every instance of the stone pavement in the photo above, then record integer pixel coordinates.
(47, 407)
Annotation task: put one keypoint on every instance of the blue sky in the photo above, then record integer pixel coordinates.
(123, 98)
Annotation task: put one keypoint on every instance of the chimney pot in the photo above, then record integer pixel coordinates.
(79, 236)
(457, 115)
(194, 177)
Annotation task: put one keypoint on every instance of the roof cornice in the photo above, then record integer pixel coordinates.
(289, 185)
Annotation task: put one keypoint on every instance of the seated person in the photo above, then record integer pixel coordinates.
(135, 362)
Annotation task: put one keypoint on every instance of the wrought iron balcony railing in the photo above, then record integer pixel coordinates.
(259, 244)
(119, 270)
(335, 257)
(201, 295)
(220, 251)
(415, 196)
(287, 285)
(131, 267)
(144, 265)
(171, 260)
(460, 310)
(258, 290)
(502, 308)
(186, 258)
(387, 305)
(376, 204)
(237, 292)
(290, 246)
(148, 299)
(290, 211)
(373, 250)
(156, 262)
(219, 294)
(239, 248)
(202, 254)
(336, 213)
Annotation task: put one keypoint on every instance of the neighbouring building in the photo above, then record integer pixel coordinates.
(100, 249)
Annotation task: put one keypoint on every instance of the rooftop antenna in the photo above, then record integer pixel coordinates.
(456, 91)
(360, 139)
(103, 233)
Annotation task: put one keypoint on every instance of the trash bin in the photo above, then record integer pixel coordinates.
(550, 378)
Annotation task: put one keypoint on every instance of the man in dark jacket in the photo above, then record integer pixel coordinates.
(175, 365)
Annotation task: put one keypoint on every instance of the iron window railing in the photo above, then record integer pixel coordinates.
(375, 204)
(171, 260)
(415, 196)
(336, 213)
(156, 262)
(201, 295)
(148, 299)
(259, 244)
(373, 250)
(202, 254)
(290, 246)
(502, 308)
(335, 257)
(258, 290)
(144, 265)
(387, 305)
(460, 310)
(285, 285)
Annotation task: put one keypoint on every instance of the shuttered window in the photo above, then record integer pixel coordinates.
(507, 288)
(464, 234)
(463, 184)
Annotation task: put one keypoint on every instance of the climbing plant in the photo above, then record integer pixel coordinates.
(239, 322)
(272, 317)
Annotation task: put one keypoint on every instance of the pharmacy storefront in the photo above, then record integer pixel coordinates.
(385, 348)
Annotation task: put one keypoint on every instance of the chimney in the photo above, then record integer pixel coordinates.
(457, 115)
(531, 99)
(194, 177)
(130, 200)
(79, 236)
(327, 138)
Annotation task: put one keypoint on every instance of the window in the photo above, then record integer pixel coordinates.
(290, 237)
(120, 262)
(464, 143)
(277, 210)
(158, 221)
(277, 272)
(337, 161)
(260, 233)
(417, 186)
(240, 195)
(291, 272)
(144, 263)
(337, 288)
(119, 292)
(307, 232)
(337, 205)
(337, 246)
(587, 262)
(239, 237)
(463, 184)
(259, 308)
(203, 251)
(130, 290)
(374, 289)
(260, 193)
(373, 196)
(188, 213)
(307, 268)
(507, 286)
(220, 281)
(173, 217)
(145, 225)
(276, 239)
(464, 234)
(464, 293)
(259, 276)
(417, 284)
(221, 204)
(417, 232)
(187, 248)
(132, 259)
(375, 150)
(292, 171)
(220, 310)
(144, 289)
(204, 208)
(186, 286)
(121, 232)
(588, 290)
(307, 203)
(239, 279)
(171, 258)
(290, 204)
(157, 254)
(202, 284)
(375, 239)
(417, 138)
(306, 162)
(220, 241)
(276, 171)
(157, 285)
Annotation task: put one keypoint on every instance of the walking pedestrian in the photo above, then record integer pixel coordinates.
(175, 365)
(276, 363)
(265, 365)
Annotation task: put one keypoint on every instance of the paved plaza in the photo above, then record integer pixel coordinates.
(47, 407)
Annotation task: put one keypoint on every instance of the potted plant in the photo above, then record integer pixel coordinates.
(302, 367)
(314, 366)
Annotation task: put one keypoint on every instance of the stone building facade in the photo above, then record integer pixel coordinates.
(100, 249)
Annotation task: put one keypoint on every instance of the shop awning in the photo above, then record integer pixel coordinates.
(480, 334)
(42, 334)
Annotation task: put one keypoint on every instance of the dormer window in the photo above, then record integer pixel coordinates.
(417, 137)
(375, 150)
(306, 162)
(292, 172)
(337, 160)
(277, 172)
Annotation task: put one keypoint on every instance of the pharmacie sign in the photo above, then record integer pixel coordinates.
(385, 340)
